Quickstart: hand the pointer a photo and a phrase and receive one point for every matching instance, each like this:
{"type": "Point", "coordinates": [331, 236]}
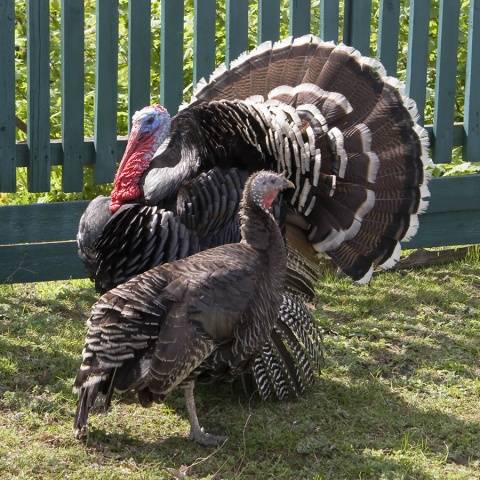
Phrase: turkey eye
{"type": "Point", "coordinates": [272, 181]}
{"type": "Point", "coordinates": [150, 121]}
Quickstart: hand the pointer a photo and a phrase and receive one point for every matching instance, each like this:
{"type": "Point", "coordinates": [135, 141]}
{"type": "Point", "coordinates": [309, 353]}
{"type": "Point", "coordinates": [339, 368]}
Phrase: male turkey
{"type": "Point", "coordinates": [166, 326]}
{"type": "Point", "coordinates": [342, 130]}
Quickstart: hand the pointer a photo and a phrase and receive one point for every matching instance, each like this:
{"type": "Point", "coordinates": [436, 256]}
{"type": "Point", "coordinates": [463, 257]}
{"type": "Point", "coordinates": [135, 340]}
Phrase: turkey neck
{"type": "Point", "coordinates": [260, 231]}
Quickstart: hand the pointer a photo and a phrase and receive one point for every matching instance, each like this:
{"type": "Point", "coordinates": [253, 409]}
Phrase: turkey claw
{"type": "Point", "coordinates": [206, 439]}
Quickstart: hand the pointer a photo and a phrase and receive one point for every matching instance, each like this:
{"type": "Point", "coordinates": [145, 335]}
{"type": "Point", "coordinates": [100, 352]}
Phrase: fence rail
{"type": "Point", "coordinates": [37, 241]}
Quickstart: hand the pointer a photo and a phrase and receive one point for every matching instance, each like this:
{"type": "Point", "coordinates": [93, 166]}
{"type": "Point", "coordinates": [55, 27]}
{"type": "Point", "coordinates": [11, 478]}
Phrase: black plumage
{"type": "Point", "coordinates": [163, 328]}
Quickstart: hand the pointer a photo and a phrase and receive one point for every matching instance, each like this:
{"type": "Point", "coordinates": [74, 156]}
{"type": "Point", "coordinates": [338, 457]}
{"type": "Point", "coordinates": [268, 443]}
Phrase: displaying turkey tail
{"type": "Point", "coordinates": [288, 362]}
{"type": "Point", "coordinates": [346, 134]}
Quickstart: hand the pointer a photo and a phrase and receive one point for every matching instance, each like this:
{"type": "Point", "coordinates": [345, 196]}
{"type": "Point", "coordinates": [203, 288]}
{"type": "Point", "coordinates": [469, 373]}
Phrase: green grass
{"type": "Point", "coordinates": [399, 397]}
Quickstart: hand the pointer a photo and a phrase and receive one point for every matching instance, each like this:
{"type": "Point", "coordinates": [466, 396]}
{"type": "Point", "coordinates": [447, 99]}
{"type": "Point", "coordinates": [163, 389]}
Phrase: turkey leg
{"type": "Point", "coordinates": [197, 433]}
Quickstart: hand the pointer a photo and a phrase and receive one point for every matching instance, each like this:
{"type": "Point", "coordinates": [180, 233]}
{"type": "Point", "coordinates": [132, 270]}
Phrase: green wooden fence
{"type": "Point", "coordinates": [37, 241]}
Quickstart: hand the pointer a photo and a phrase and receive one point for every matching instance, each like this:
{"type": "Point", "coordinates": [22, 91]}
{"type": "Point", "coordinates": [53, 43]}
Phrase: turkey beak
{"type": "Point", "coordinates": [287, 184]}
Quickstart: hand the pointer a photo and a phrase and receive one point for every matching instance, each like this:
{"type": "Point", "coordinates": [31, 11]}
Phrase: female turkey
{"type": "Point", "coordinates": [166, 326]}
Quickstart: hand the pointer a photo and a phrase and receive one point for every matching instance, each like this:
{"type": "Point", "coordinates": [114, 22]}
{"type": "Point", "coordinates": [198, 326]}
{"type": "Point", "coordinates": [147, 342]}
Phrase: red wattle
{"type": "Point", "coordinates": [135, 161]}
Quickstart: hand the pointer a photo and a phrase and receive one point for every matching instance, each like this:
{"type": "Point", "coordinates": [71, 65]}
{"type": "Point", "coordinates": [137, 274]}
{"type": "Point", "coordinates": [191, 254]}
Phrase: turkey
{"type": "Point", "coordinates": [168, 325]}
{"type": "Point", "coordinates": [343, 131]}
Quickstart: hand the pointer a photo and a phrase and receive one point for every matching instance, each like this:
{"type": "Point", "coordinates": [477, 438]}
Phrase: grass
{"type": "Point", "coordinates": [399, 396]}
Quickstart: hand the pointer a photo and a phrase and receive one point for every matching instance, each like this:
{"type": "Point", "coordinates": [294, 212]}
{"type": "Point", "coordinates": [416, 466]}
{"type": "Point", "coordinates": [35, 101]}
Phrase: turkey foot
{"type": "Point", "coordinates": [197, 433]}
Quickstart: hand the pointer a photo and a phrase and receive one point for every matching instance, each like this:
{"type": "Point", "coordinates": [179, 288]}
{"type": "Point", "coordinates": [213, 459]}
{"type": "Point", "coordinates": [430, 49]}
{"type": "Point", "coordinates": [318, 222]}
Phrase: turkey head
{"type": "Point", "coordinates": [150, 130]}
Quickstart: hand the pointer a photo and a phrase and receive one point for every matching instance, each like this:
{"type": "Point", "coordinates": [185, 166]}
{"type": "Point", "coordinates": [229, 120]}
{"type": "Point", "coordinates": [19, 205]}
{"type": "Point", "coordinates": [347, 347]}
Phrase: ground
{"type": "Point", "coordinates": [399, 396]}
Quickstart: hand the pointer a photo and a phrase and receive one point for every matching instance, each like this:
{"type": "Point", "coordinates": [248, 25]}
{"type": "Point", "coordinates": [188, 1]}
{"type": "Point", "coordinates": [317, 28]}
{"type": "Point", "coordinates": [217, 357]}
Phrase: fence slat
{"type": "Point", "coordinates": [452, 194]}
{"type": "Point", "coordinates": [7, 96]}
{"type": "Point", "coordinates": [204, 40]}
{"type": "Point", "coordinates": [443, 229]}
{"type": "Point", "coordinates": [38, 62]}
{"type": "Point", "coordinates": [106, 90]}
{"type": "Point", "coordinates": [329, 20]}
{"type": "Point", "coordinates": [268, 20]}
{"type": "Point", "coordinates": [237, 29]}
{"type": "Point", "coordinates": [139, 46]}
{"type": "Point", "coordinates": [445, 82]}
{"type": "Point", "coordinates": [472, 86]}
{"type": "Point", "coordinates": [43, 222]}
{"type": "Point", "coordinates": [356, 30]}
{"type": "Point", "coordinates": [72, 94]}
{"type": "Point", "coordinates": [418, 53]}
{"type": "Point", "coordinates": [171, 84]}
{"type": "Point", "coordinates": [388, 34]}
{"type": "Point", "coordinates": [299, 17]}
{"type": "Point", "coordinates": [40, 262]}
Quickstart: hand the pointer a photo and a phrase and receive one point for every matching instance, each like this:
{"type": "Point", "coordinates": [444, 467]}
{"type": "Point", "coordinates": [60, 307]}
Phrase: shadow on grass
{"type": "Point", "coordinates": [336, 430]}
{"type": "Point", "coordinates": [41, 339]}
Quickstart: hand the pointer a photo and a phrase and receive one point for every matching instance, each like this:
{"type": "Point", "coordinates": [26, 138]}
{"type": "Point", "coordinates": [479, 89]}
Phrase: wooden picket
{"type": "Point", "coordinates": [268, 20]}
{"type": "Point", "coordinates": [7, 96]}
{"type": "Point", "coordinates": [236, 29]}
{"type": "Point", "coordinates": [356, 29]}
{"type": "Point", "coordinates": [329, 11]}
{"type": "Point", "coordinates": [299, 17]}
{"type": "Point", "coordinates": [72, 94]}
{"type": "Point", "coordinates": [106, 90]}
{"type": "Point", "coordinates": [388, 34]}
{"type": "Point", "coordinates": [445, 82]}
{"type": "Point", "coordinates": [171, 87]}
{"type": "Point", "coordinates": [416, 84]}
{"type": "Point", "coordinates": [38, 63]}
{"type": "Point", "coordinates": [204, 39]}
{"type": "Point", "coordinates": [139, 48]}
{"type": "Point", "coordinates": [37, 242]}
